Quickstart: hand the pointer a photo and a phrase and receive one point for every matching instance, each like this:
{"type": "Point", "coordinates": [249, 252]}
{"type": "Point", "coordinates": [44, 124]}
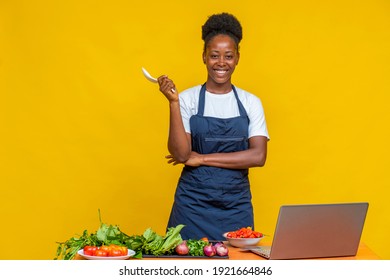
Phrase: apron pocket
{"type": "Point", "coordinates": [223, 139]}
{"type": "Point", "coordinates": [223, 144]}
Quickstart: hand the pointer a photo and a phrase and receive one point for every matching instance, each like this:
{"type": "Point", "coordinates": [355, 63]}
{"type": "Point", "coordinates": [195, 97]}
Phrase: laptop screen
{"type": "Point", "coordinates": [318, 230]}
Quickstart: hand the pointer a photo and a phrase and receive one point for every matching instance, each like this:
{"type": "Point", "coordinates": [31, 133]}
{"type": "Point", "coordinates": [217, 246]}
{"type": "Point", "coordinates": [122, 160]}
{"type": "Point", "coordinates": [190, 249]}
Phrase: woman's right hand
{"type": "Point", "coordinates": [168, 88]}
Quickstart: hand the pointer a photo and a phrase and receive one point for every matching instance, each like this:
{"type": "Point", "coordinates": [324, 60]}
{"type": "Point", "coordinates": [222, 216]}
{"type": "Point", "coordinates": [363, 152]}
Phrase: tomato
{"type": "Point", "coordinates": [244, 232]}
{"type": "Point", "coordinates": [111, 250]}
{"type": "Point", "coordinates": [205, 239]}
{"type": "Point", "coordinates": [115, 252]}
{"type": "Point", "coordinates": [104, 248]}
{"type": "Point", "coordinates": [101, 253]}
{"type": "Point", "coordinates": [89, 250]}
{"type": "Point", "coordinates": [124, 250]}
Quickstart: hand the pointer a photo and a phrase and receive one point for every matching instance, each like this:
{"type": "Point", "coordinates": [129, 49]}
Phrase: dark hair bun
{"type": "Point", "coordinates": [223, 23]}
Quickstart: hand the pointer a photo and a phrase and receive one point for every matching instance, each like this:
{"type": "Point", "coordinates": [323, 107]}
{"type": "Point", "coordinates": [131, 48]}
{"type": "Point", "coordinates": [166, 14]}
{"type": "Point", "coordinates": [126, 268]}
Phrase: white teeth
{"type": "Point", "coordinates": [221, 71]}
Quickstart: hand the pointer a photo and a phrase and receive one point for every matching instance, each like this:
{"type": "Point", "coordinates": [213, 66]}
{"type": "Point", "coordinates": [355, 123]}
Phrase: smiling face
{"type": "Point", "coordinates": [221, 57]}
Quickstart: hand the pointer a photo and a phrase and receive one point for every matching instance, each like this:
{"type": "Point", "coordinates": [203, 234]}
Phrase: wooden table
{"type": "Point", "coordinates": [364, 253]}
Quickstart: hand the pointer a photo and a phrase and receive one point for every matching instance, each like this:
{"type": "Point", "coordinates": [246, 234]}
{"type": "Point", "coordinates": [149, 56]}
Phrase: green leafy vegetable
{"type": "Point", "coordinates": [151, 243]}
{"type": "Point", "coordinates": [105, 235]}
{"type": "Point", "coordinates": [67, 250]}
{"type": "Point", "coordinates": [152, 246]}
{"type": "Point", "coordinates": [171, 240]}
{"type": "Point", "coordinates": [196, 247]}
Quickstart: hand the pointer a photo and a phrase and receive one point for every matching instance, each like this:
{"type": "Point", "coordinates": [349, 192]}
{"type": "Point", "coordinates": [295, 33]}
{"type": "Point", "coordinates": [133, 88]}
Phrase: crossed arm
{"type": "Point", "coordinates": [179, 142]}
{"type": "Point", "coordinates": [255, 156]}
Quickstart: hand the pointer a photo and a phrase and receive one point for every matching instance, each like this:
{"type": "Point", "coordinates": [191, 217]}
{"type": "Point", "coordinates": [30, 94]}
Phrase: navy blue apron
{"type": "Point", "coordinates": [211, 200]}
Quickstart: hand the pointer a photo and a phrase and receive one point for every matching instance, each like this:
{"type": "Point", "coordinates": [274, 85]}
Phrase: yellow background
{"type": "Point", "coordinates": [81, 129]}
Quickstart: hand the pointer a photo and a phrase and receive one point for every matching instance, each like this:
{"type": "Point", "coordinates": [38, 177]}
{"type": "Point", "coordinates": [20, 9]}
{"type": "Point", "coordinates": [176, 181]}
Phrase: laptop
{"type": "Point", "coordinates": [316, 231]}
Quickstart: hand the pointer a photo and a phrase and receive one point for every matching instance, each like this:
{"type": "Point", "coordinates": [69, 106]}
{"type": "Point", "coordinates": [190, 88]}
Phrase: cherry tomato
{"type": "Point", "coordinates": [111, 250]}
{"type": "Point", "coordinates": [89, 250]}
{"type": "Point", "coordinates": [115, 252]}
{"type": "Point", "coordinates": [101, 253]}
{"type": "Point", "coordinates": [104, 248]}
{"type": "Point", "coordinates": [244, 232]}
{"type": "Point", "coordinates": [124, 250]}
{"type": "Point", "coordinates": [205, 239]}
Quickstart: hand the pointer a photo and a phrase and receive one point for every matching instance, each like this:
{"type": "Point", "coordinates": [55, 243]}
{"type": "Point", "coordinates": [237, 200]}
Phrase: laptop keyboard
{"type": "Point", "coordinates": [262, 251]}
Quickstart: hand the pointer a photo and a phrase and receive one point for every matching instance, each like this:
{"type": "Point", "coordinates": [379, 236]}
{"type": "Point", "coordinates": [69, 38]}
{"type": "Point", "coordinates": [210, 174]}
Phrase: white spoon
{"type": "Point", "coordinates": [150, 78]}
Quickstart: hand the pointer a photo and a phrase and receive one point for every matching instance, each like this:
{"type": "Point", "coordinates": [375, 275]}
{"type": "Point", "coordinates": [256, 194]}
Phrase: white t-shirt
{"type": "Point", "coordinates": [224, 106]}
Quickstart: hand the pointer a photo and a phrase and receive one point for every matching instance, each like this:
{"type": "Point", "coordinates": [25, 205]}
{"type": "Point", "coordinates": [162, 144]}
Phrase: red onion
{"type": "Point", "coordinates": [209, 250]}
{"type": "Point", "coordinates": [221, 249]}
{"type": "Point", "coordinates": [182, 248]}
